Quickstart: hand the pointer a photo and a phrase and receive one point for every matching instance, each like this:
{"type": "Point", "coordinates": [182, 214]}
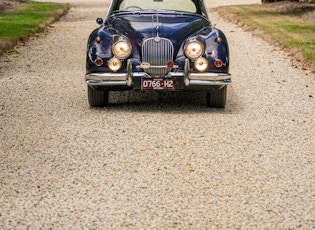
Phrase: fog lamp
{"type": "Point", "coordinates": [201, 64]}
{"type": "Point", "coordinates": [114, 64]}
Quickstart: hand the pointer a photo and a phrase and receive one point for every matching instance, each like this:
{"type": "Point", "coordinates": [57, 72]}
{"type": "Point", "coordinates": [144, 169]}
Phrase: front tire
{"type": "Point", "coordinates": [97, 98]}
{"type": "Point", "coordinates": [217, 98]}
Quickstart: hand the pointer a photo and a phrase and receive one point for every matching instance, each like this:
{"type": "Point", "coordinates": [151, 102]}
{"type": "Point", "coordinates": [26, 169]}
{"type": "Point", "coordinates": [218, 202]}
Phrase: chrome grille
{"type": "Point", "coordinates": [157, 51]}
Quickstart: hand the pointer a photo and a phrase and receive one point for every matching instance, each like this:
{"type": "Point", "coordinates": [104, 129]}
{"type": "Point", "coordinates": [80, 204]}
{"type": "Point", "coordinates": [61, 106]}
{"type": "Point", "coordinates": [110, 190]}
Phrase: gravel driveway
{"type": "Point", "coordinates": [153, 160]}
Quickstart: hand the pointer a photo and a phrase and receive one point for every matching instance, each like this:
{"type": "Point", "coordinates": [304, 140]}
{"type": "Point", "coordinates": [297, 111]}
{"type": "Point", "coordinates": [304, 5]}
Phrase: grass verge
{"type": "Point", "coordinates": [28, 19]}
{"type": "Point", "coordinates": [287, 29]}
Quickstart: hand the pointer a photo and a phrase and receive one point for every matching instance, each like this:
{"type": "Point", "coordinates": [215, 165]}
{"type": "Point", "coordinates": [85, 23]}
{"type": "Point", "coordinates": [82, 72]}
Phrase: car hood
{"type": "Point", "coordinates": [172, 25]}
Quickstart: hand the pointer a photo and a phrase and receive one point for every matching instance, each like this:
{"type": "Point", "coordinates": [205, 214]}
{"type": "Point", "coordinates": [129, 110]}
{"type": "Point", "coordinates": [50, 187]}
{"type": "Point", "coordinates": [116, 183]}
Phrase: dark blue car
{"type": "Point", "coordinates": [165, 45]}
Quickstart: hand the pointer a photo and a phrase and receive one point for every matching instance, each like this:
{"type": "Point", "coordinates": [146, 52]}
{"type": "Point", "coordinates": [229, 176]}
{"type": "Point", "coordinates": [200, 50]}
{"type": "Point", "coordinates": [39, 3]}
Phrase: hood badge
{"type": "Point", "coordinates": [157, 38]}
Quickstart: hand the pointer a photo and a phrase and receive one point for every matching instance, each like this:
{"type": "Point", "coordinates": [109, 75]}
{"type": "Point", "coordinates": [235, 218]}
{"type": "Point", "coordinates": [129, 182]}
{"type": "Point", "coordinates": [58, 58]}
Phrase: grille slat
{"type": "Point", "coordinates": [157, 52]}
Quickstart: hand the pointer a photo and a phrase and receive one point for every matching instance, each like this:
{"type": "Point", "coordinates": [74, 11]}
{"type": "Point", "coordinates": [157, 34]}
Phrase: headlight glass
{"type": "Point", "coordinates": [122, 49]}
{"type": "Point", "coordinates": [114, 64]}
{"type": "Point", "coordinates": [201, 64]}
{"type": "Point", "coordinates": [194, 49]}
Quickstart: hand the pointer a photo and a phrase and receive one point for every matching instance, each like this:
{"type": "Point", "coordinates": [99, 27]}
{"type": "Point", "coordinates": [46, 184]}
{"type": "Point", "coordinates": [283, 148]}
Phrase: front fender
{"type": "Point", "coordinates": [216, 47]}
{"type": "Point", "coordinates": [97, 49]}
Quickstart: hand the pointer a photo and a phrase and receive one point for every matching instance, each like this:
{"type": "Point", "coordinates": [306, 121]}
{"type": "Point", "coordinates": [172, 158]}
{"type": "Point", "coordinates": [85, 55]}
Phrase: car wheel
{"type": "Point", "coordinates": [97, 98]}
{"type": "Point", "coordinates": [217, 98]}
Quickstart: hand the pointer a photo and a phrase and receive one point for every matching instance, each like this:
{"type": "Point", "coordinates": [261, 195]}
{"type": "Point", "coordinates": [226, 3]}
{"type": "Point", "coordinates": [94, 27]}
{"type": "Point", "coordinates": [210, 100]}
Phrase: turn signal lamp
{"type": "Point", "coordinates": [218, 63]}
{"type": "Point", "coordinates": [98, 62]}
{"type": "Point", "coordinates": [201, 64]}
{"type": "Point", "coordinates": [114, 64]}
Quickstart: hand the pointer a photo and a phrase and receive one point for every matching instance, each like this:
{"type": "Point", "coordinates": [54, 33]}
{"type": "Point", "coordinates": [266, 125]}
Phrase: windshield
{"type": "Point", "coordinates": [176, 5]}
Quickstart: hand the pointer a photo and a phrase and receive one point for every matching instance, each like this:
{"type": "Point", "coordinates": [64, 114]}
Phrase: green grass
{"type": "Point", "coordinates": [287, 29]}
{"type": "Point", "coordinates": [26, 20]}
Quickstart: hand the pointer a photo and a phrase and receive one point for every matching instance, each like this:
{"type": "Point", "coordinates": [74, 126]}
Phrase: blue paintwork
{"type": "Point", "coordinates": [140, 25]}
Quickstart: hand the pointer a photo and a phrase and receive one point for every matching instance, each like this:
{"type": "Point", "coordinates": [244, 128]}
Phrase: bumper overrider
{"type": "Point", "coordinates": [183, 80]}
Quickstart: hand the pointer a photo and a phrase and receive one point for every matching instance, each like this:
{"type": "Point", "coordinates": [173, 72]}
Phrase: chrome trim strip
{"type": "Point", "coordinates": [106, 76]}
{"type": "Point", "coordinates": [141, 74]}
{"type": "Point", "coordinates": [129, 73]}
{"type": "Point", "coordinates": [210, 76]}
{"type": "Point", "coordinates": [203, 82]}
{"type": "Point", "coordinates": [106, 83]}
{"type": "Point", "coordinates": [202, 76]}
{"type": "Point", "coordinates": [175, 74]}
{"type": "Point", "coordinates": [159, 67]}
{"type": "Point", "coordinates": [186, 69]}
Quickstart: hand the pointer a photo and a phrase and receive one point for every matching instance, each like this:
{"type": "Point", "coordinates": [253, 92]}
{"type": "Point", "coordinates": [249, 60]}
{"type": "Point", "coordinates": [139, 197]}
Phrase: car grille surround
{"type": "Point", "coordinates": [157, 51]}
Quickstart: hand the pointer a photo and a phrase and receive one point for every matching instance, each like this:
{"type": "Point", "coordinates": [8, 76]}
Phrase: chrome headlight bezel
{"type": "Point", "coordinates": [194, 49]}
{"type": "Point", "coordinates": [122, 48]}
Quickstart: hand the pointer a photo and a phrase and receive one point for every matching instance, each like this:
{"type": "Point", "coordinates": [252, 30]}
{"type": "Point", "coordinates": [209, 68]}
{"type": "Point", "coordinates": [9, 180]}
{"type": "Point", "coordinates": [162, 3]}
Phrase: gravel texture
{"type": "Point", "coordinates": [153, 160]}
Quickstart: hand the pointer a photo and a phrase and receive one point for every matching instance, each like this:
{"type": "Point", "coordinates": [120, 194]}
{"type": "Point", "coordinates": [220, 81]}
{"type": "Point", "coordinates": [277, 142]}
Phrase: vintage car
{"type": "Point", "coordinates": [163, 45]}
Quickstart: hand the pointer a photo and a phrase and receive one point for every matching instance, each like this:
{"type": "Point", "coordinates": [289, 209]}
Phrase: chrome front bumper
{"type": "Point", "coordinates": [126, 79]}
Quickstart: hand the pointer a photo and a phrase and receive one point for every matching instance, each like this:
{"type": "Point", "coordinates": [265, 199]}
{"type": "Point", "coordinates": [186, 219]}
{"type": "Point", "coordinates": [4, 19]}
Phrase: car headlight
{"type": "Point", "coordinates": [194, 49]}
{"type": "Point", "coordinates": [122, 49]}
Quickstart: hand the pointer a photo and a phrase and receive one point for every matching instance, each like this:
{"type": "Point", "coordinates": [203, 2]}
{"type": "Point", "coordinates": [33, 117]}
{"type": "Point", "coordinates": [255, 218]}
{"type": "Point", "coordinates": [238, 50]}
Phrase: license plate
{"type": "Point", "coordinates": [157, 84]}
